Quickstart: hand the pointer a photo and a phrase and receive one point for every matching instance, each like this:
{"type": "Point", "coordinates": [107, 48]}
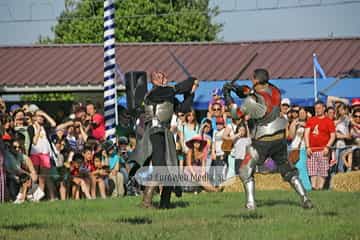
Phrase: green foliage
{"type": "Point", "coordinates": [204, 216]}
{"type": "Point", "coordinates": [138, 21]}
{"type": "Point", "coordinates": [47, 97]}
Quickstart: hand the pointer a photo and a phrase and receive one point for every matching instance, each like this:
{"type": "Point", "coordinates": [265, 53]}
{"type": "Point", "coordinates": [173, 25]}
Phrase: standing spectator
{"type": "Point", "coordinates": [189, 129]}
{"type": "Point", "coordinates": [97, 122]}
{"type": "Point", "coordinates": [342, 125]}
{"type": "Point", "coordinates": [319, 136]}
{"type": "Point", "coordinates": [218, 110]}
{"type": "Point", "coordinates": [206, 133]}
{"type": "Point", "coordinates": [330, 112]}
{"type": "Point", "coordinates": [285, 107]}
{"type": "Point", "coordinates": [21, 126]}
{"type": "Point", "coordinates": [296, 133]}
{"type": "Point", "coordinates": [41, 150]}
{"type": "Point", "coordinates": [2, 169]}
{"type": "Point", "coordinates": [352, 156]}
{"type": "Point", "coordinates": [7, 123]}
{"type": "Point", "coordinates": [212, 110]}
{"type": "Point", "coordinates": [228, 135]}
{"type": "Point", "coordinates": [355, 104]}
{"type": "Point", "coordinates": [241, 141]}
{"type": "Point", "coordinates": [217, 155]}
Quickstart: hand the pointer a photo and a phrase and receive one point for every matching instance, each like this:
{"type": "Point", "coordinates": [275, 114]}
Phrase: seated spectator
{"type": "Point", "coordinates": [20, 171]}
{"type": "Point", "coordinates": [89, 168]}
{"type": "Point", "coordinates": [196, 163]}
{"type": "Point", "coordinates": [112, 159]}
{"type": "Point", "coordinates": [99, 175]}
{"type": "Point", "coordinates": [78, 176]}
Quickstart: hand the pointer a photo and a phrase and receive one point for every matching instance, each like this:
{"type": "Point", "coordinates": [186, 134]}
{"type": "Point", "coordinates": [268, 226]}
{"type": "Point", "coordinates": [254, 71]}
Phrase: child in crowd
{"type": "Point", "coordinates": [78, 176]}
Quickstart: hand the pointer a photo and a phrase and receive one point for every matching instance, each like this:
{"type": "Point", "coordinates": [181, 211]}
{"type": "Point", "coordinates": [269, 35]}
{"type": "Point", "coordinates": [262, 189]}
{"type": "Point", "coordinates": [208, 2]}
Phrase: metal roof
{"type": "Point", "coordinates": [82, 65]}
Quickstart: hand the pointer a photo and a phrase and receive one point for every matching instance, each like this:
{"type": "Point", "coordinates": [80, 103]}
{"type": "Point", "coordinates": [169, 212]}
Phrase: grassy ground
{"type": "Point", "coordinates": [204, 216]}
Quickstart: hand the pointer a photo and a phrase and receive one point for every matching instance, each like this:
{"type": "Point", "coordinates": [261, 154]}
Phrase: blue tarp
{"type": "Point", "coordinates": [299, 91]}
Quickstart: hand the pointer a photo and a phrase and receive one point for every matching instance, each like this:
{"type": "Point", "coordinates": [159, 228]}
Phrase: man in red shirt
{"type": "Point", "coordinates": [319, 136]}
{"type": "Point", "coordinates": [97, 122]}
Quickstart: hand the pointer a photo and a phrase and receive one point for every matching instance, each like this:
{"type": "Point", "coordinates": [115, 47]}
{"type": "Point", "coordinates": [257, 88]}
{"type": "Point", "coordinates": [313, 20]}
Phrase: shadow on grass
{"type": "Point", "coordinates": [249, 216]}
{"type": "Point", "coordinates": [24, 226]}
{"type": "Point", "coordinates": [329, 214]}
{"type": "Point", "coordinates": [178, 204]}
{"type": "Point", "coordinates": [134, 220]}
{"type": "Point", "coordinates": [271, 203]}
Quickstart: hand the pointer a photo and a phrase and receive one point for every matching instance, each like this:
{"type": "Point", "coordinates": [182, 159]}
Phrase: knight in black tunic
{"type": "Point", "coordinates": [159, 104]}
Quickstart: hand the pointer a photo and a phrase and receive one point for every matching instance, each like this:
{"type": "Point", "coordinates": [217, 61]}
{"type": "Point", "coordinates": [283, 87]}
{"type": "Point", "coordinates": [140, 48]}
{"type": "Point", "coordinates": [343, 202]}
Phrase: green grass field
{"type": "Point", "coordinates": [203, 216]}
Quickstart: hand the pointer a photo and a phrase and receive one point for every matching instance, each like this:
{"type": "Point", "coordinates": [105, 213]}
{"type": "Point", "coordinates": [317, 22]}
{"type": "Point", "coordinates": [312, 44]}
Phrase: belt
{"type": "Point", "coordinates": [277, 136]}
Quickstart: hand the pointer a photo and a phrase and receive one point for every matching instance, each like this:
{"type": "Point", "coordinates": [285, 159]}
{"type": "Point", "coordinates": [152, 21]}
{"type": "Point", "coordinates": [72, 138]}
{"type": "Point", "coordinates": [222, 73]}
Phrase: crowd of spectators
{"type": "Point", "coordinates": [43, 159]}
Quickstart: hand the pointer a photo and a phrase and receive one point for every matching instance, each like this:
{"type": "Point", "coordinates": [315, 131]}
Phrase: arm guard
{"type": "Point", "coordinates": [241, 91]}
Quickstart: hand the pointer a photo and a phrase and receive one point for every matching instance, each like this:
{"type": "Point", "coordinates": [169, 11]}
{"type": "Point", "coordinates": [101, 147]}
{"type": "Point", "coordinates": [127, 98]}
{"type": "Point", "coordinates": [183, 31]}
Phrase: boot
{"type": "Point", "coordinates": [165, 198]}
{"type": "Point", "coordinates": [249, 187]}
{"type": "Point", "coordinates": [300, 190]}
{"type": "Point", "coordinates": [147, 197]}
{"type": "Point", "coordinates": [178, 191]}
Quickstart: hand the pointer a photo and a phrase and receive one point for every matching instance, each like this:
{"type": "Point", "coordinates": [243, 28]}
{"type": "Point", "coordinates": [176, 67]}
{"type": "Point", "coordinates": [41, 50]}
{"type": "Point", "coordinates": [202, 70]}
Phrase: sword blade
{"type": "Point", "coordinates": [181, 65]}
{"type": "Point", "coordinates": [243, 69]}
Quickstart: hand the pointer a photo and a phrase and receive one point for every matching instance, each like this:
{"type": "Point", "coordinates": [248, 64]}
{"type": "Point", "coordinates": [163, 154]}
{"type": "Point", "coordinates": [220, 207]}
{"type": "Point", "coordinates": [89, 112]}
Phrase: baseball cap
{"type": "Point", "coordinates": [355, 102]}
{"type": "Point", "coordinates": [285, 101]}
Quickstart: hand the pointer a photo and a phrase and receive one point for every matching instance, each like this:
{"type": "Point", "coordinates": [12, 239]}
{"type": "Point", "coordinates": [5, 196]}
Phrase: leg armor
{"type": "Point", "coordinates": [300, 190]}
{"type": "Point", "coordinates": [247, 169]}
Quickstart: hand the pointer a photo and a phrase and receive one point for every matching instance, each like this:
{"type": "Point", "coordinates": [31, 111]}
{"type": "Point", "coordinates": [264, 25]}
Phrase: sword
{"type": "Point", "coordinates": [243, 69]}
{"type": "Point", "coordinates": [181, 65]}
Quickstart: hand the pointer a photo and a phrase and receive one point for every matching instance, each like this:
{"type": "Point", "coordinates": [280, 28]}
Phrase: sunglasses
{"type": "Point", "coordinates": [16, 147]}
{"type": "Point", "coordinates": [356, 116]}
{"type": "Point", "coordinates": [216, 109]}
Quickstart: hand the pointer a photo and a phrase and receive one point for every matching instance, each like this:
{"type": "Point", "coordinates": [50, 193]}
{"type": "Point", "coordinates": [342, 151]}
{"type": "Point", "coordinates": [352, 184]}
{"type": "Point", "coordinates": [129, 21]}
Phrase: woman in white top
{"type": "Point", "coordinates": [296, 133]}
{"type": "Point", "coordinates": [241, 142]}
{"type": "Point", "coordinates": [41, 150]}
{"type": "Point", "coordinates": [229, 133]}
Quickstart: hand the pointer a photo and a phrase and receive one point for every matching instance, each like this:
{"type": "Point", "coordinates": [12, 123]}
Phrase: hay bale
{"type": "Point", "coordinates": [346, 182]}
{"type": "Point", "coordinates": [272, 181]}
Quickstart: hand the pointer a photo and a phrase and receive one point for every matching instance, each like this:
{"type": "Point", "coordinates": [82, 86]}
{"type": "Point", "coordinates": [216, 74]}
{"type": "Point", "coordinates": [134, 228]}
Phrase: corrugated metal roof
{"type": "Point", "coordinates": [83, 64]}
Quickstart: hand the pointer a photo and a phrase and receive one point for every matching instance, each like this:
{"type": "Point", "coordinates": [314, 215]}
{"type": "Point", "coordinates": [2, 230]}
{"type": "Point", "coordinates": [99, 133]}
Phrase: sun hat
{"type": "Point", "coordinates": [196, 138]}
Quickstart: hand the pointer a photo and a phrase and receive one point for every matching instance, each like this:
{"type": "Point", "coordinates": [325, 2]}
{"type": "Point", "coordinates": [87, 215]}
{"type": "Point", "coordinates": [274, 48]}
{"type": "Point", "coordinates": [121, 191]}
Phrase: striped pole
{"type": "Point", "coordinates": [110, 105]}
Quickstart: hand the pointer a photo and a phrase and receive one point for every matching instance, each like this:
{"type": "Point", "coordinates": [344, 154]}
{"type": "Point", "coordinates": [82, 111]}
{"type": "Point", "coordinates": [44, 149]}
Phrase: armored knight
{"type": "Point", "coordinates": [157, 145]}
{"type": "Point", "coordinates": [262, 105]}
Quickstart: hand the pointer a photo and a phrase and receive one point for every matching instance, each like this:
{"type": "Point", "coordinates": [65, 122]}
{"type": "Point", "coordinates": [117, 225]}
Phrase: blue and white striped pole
{"type": "Point", "coordinates": [110, 105]}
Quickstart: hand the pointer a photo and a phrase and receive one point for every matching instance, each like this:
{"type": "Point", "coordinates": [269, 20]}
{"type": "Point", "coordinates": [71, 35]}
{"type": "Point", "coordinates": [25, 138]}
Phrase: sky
{"type": "Point", "coordinates": [244, 20]}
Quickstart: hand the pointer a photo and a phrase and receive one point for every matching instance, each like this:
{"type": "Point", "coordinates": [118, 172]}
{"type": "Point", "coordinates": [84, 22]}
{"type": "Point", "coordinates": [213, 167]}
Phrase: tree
{"type": "Point", "coordinates": [47, 97]}
{"type": "Point", "coordinates": [137, 21]}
